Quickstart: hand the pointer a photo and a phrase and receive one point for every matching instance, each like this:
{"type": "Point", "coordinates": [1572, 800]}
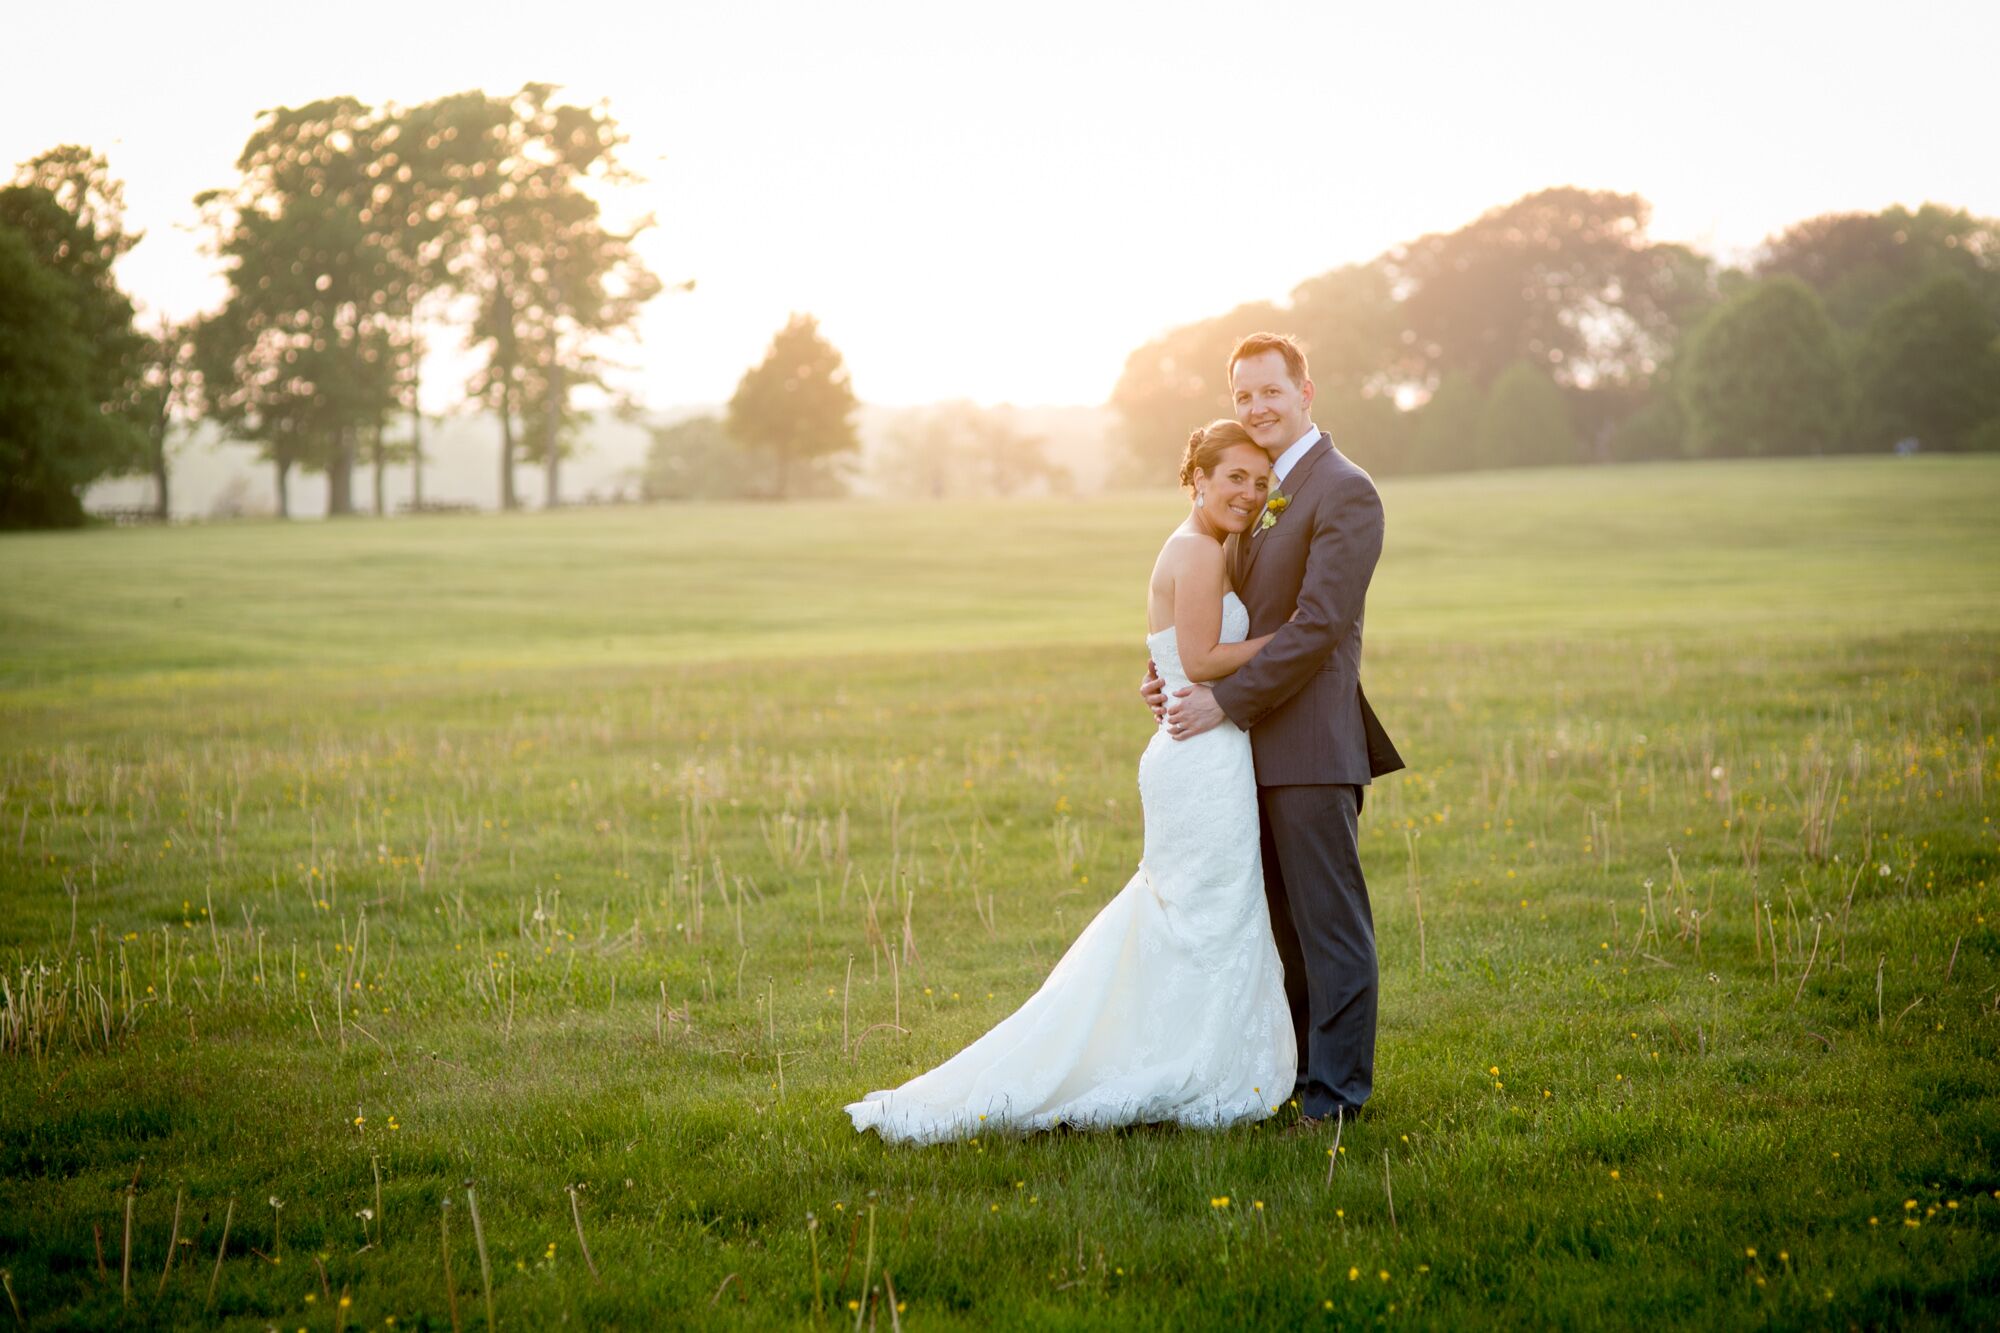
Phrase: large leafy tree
{"type": "Point", "coordinates": [65, 215]}
{"type": "Point", "coordinates": [1352, 329]}
{"type": "Point", "coordinates": [1446, 433]}
{"type": "Point", "coordinates": [302, 359]}
{"type": "Point", "coordinates": [1764, 375]}
{"type": "Point", "coordinates": [1179, 381]}
{"type": "Point", "coordinates": [415, 219]}
{"type": "Point", "coordinates": [1524, 421]}
{"type": "Point", "coordinates": [1565, 278]}
{"type": "Point", "coordinates": [72, 211]}
{"type": "Point", "coordinates": [549, 278]}
{"type": "Point", "coordinates": [1860, 262]}
{"type": "Point", "coordinates": [1346, 320]}
{"type": "Point", "coordinates": [1929, 368]}
{"type": "Point", "coordinates": [794, 412]}
{"type": "Point", "coordinates": [54, 439]}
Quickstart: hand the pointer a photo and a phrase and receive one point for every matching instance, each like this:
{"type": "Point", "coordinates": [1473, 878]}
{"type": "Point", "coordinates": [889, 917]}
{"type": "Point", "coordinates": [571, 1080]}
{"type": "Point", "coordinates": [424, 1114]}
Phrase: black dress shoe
{"type": "Point", "coordinates": [1338, 1119]}
{"type": "Point", "coordinates": [1338, 1115]}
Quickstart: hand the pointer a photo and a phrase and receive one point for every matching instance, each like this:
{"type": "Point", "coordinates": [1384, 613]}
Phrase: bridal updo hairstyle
{"type": "Point", "coordinates": [1207, 444]}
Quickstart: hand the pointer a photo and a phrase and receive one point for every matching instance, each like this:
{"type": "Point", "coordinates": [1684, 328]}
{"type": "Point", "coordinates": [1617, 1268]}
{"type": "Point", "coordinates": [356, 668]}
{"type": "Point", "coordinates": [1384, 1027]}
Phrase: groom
{"type": "Point", "coordinates": [1315, 740]}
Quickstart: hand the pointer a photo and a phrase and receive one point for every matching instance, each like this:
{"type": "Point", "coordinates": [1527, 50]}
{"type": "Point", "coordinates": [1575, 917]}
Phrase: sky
{"type": "Point", "coordinates": [1001, 202]}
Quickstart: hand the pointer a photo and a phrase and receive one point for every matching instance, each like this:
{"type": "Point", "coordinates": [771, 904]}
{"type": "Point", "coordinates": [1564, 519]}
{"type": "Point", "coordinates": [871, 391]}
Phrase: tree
{"type": "Point", "coordinates": [303, 356]}
{"type": "Point", "coordinates": [54, 440]}
{"type": "Point", "coordinates": [1353, 332]}
{"type": "Point", "coordinates": [1368, 428]}
{"type": "Point", "coordinates": [81, 182]}
{"type": "Point", "coordinates": [246, 388]}
{"type": "Point", "coordinates": [549, 278]}
{"type": "Point", "coordinates": [63, 218]}
{"type": "Point", "coordinates": [420, 161]}
{"type": "Point", "coordinates": [1564, 278]}
{"type": "Point", "coordinates": [69, 210]}
{"type": "Point", "coordinates": [1929, 367]}
{"type": "Point", "coordinates": [1764, 375]}
{"type": "Point", "coordinates": [1658, 429]}
{"type": "Point", "coordinates": [165, 396]}
{"type": "Point", "coordinates": [694, 460]}
{"type": "Point", "coordinates": [1180, 381]}
{"type": "Point", "coordinates": [1446, 437]}
{"type": "Point", "coordinates": [963, 449]}
{"type": "Point", "coordinates": [794, 411]}
{"type": "Point", "coordinates": [73, 212]}
{"type": "Point", "coordinates": [1860, 262]}
{"type": "Point", "coordinates": [1525, 421]}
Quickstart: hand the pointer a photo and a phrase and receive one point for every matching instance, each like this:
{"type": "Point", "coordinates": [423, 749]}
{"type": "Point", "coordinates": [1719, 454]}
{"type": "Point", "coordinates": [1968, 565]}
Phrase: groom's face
{"type": "Point", "coordinates": [1274, 409]}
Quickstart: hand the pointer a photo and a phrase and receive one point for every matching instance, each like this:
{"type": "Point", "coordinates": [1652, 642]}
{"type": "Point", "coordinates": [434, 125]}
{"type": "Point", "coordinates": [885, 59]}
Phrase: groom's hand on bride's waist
{"type": "Point", "coordinates": [1193, 711]}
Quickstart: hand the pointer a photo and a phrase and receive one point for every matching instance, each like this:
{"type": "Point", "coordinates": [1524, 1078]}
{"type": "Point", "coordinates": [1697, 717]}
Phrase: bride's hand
{"type": "Point", "coordinates": [1153, 691]}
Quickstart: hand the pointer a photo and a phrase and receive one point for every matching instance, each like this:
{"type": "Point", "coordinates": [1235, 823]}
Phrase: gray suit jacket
{"type": "Point", "coordinates": [1300, 699]}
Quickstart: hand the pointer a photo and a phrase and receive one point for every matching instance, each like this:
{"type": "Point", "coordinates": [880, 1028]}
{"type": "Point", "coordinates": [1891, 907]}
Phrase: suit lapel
{"type": "Point", "coordinates": [1291, 488]}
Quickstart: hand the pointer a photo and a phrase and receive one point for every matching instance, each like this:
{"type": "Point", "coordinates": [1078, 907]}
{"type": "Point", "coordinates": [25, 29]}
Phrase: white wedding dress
{"type": "Point", "coordinates": [1171, 1004]}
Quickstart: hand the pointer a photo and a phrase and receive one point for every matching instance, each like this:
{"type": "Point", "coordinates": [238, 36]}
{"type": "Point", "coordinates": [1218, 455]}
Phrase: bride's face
{"type": "Point", "coordinates": [1233, 494]}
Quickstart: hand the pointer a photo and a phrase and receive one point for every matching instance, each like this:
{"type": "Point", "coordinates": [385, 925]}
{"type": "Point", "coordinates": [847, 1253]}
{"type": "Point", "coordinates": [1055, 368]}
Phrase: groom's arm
{"type": "Point", "coordinates": [1339, 564]}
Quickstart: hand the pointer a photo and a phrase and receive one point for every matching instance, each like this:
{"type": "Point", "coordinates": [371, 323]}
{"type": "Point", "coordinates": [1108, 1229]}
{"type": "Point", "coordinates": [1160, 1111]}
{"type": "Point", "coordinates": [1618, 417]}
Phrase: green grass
{"type": "Point", "coordinates": [706, 743]}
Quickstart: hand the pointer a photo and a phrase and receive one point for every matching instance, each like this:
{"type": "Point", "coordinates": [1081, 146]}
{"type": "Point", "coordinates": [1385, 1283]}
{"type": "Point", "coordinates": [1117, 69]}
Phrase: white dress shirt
{"type": "Point", "coordinates": [1285, 462]}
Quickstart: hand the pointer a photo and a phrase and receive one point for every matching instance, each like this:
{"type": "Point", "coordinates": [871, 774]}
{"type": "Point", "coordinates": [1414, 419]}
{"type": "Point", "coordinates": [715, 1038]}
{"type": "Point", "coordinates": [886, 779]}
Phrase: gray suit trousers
{"type": "Point", "coordinates": [1320, 912]}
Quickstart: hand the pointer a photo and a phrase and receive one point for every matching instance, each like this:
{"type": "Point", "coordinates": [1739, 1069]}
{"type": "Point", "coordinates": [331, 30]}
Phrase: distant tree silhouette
{"type": "Point", "coordinates": [695, 459]}
{"type": "Point", "coordinates": [794, 412]}
{"type": "Point", "coordinates": [962, 449]}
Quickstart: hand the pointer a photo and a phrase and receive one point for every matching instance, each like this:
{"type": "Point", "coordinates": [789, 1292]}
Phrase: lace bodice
{"type": "Point", "coordinates": [1165, 644]}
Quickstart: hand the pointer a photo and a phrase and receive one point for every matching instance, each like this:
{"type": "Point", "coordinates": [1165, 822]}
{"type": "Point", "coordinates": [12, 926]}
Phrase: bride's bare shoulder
{"type": "Point", "coordinates": [1184, 550]}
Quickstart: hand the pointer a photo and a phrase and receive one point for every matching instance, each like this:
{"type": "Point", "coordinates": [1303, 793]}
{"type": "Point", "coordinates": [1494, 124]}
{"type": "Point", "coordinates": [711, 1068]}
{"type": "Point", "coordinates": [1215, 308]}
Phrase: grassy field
{"type": "Point", "coordinates": [381, 868]}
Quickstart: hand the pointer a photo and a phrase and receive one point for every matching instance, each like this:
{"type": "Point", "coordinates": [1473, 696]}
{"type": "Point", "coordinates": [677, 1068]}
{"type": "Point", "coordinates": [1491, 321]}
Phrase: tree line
{"type": "Point", "coordinates": [352, 238]}
{"type": "Point", "coordinates": [1553, 330]}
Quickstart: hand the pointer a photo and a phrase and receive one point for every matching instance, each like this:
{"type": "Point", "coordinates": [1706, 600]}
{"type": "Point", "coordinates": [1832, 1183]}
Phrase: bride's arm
{"type": "Point", "coordinates": [1198, 617]}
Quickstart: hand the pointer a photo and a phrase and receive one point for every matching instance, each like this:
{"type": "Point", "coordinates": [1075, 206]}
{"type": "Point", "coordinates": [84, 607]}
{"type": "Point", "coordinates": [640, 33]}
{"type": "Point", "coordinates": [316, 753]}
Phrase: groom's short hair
{"type": "Point", "coordinates": [1282, 343]}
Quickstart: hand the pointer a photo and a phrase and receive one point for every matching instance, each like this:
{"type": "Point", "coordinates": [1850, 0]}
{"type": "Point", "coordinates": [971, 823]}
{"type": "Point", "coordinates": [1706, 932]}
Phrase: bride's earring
{"type": "Point", "coordinates": [1200, 497]}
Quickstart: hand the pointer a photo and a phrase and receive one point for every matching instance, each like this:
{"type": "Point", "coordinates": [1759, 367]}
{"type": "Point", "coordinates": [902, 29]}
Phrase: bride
{"type": "Point", "coordinates": [1171, 1004]}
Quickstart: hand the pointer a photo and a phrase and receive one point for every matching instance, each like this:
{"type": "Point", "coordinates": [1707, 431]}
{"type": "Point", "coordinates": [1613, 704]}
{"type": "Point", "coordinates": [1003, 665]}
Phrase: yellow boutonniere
{"type": "Point", "coordinates": [1272, 508]}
